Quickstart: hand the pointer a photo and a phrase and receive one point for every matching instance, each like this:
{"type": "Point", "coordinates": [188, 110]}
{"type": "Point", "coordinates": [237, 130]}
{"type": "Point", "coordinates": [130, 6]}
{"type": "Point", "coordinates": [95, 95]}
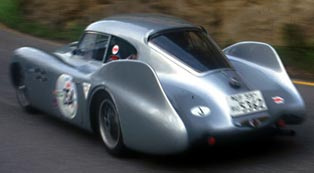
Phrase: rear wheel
{"type": "Point", "coordinates": [109, 127]}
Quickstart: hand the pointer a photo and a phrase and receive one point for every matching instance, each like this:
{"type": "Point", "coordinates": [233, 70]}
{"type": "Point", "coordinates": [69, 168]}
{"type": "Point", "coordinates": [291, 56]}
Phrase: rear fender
{"type": "Point", "coordinates": [261, 68]}
{"type": "Point", "coordinates": [148, 121]}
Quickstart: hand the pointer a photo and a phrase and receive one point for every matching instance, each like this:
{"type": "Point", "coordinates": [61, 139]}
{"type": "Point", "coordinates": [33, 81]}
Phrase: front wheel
{"type": "Point", "coordinates": [21, 91]}
{"type": "Point", "coordinates": [109, 127]}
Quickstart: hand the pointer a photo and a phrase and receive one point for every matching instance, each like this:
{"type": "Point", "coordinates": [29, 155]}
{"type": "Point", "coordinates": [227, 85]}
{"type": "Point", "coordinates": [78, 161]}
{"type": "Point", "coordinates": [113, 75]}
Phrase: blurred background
{"type": "Point", "coordinates": [286, 24]}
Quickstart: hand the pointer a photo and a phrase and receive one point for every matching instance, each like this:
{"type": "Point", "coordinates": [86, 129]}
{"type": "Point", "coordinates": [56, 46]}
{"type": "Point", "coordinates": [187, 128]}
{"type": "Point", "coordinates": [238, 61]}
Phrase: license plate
{"type": "Point", "coordinates": [246, 103]}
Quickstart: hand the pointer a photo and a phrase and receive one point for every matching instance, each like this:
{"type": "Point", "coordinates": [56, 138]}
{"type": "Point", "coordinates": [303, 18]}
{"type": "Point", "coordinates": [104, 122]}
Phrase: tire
{"type": "Point", "coordinates": [109, 127]}
{"type": "Point", "coordinates": [21, 91]}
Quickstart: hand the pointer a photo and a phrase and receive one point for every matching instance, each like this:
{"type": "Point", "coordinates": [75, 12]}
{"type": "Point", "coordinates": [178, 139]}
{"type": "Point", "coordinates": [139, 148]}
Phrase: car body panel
{"type": "Point", "coordinates": [164, 106]}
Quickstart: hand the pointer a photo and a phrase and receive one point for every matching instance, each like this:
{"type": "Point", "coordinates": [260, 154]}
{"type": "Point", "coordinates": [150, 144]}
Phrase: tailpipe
{"type": "Point", "coordinates": [286, 132]}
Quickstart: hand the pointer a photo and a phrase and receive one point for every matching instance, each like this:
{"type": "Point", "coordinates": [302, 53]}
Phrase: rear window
{"type": "Point", "coordinates": [193, 48]}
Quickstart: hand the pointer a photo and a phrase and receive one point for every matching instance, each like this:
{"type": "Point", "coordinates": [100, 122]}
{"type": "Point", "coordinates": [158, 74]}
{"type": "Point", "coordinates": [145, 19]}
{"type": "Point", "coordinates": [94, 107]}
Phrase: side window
{"type": "Point", "coordinates": [93, 46]}
{"type": "Point", "coordinates": [120, 49]}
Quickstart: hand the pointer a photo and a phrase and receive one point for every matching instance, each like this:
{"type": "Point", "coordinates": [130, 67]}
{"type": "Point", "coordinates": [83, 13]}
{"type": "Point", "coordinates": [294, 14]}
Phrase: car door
{"type": "Point", "coordinates": [65, 89]}
{"type": "Point", "coordinates": [71, 84]}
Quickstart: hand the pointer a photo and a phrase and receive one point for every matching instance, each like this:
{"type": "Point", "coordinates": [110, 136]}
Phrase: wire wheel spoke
{"type": "Point", "coordinates": [105, 116]}
{"type": "Point", "coordinates": [110, 129]}
{"type": "Point", "coordinates": [114, 128]}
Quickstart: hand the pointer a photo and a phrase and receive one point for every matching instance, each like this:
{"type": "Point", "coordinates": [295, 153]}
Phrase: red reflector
{"type": "Point", "coordinates": [211, 141]}
{"type": "Point", "coordinates": [281, 123]}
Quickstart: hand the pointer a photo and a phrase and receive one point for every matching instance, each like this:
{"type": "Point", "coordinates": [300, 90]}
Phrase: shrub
{"type": "Point", "coordinates": [293, 36]}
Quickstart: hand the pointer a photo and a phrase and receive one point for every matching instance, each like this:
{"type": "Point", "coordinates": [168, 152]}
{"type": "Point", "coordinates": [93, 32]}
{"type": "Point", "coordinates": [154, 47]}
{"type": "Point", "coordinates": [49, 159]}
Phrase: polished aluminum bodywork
{"type": "Point", "coordinates": [157, 96]}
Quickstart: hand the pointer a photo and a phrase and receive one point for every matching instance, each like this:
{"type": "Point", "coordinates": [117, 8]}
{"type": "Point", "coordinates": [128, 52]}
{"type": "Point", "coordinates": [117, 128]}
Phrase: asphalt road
{"type": "Point", "coordinates": [38, 143]}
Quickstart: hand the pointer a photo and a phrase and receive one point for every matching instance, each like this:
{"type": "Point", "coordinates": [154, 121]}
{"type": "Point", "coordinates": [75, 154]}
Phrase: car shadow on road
{"type": "Point", "coordinates": [231, 154]}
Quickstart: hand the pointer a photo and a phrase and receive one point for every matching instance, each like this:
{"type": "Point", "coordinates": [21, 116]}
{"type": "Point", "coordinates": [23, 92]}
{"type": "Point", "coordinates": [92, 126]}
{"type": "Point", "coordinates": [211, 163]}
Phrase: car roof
{"type": "Point", "coordinates": [138, 26]}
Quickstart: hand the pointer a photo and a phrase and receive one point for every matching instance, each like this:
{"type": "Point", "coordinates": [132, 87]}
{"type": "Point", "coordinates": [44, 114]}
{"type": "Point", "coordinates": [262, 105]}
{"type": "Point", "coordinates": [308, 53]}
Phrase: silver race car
{"type": "Point", "coordinates": [159, 85]}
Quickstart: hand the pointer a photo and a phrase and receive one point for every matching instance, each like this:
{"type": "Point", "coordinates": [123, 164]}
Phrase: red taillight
{"type": "Point", "coordinates": [211, 141]}
{"type": "Point", "coordinates": [281, 123]}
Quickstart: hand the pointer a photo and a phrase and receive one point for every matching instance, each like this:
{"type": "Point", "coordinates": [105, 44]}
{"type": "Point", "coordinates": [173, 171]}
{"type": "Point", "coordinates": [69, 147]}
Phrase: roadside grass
{"type": "Point", "coordinates": [11, 15]}
{"type": "Point", "coordinates": [298, 54]}
{"type": "Point", "coordinates": [298, 58]}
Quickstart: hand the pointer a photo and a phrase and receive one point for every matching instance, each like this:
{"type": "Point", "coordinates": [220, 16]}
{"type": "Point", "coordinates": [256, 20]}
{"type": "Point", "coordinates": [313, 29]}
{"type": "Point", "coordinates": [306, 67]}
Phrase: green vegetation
{"type": "Point", "coordinates": [298, 52]}
{"type": "Point", "coordinates": [11, 15]}
{"type": "Point", "coordinates": [300, 58]}
{"type": "Point", "coordinates": [293, 36]}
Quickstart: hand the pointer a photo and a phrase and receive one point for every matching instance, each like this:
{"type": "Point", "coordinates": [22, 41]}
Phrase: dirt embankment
{"type": "Point", "coordinates": [227, 20]}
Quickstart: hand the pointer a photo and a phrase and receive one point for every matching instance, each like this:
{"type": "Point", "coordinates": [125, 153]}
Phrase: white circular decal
{"type": "Point", "coordinates": [115, 49]}
{"type": "Point", "coordinates": [66, 96]}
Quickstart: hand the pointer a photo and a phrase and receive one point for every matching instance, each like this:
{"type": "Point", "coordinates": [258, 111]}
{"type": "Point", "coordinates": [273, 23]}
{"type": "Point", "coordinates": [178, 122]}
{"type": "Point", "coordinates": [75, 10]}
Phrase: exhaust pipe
{"type": "Point", "coordinates": [286, 132]}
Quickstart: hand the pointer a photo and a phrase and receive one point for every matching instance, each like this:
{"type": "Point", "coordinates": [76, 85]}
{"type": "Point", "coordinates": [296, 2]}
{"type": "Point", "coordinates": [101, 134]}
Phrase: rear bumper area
{"type": "Point", "coordinates": [293, 119]}
{"type": "Point", "coordinates": [241, 135]}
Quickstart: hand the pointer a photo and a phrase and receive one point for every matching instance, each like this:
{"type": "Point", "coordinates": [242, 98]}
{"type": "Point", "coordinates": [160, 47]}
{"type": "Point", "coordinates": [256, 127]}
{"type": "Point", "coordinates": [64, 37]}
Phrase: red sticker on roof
{"type": "Point", "coordinates": [278, 100]}
{"type": "Point", "coordinates": [115, 49]}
